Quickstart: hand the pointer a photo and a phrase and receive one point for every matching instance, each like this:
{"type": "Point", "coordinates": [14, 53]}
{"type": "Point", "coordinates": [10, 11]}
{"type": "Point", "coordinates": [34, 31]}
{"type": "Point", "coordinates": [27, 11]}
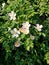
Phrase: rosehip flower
{"type": "Point", "coordinates": [26, 25]}
{"type": "Point", "coordinates": [38, 27]}
{"type": "Point", "coordinates": [17, 44]}
{"type": "Point", "coordinates": [24, 31]}
{"type": "Point", "coordinates": [15, 32]}
{"type": "Point", "coordinates": [12, 15]}
{"type": "Point", "coordinates": [25, 28]}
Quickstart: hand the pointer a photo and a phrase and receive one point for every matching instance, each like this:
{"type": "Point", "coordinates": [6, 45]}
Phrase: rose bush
{"type": "Point", "coordinates": [24, 32]}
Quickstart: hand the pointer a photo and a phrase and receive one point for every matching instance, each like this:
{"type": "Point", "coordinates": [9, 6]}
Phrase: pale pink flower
{"type": "Point", "coordinates": [26, 25]}
{"type": "Point", "coordinates": [17, 44]}
{"type": "Point", "coordinates": [25, 28]}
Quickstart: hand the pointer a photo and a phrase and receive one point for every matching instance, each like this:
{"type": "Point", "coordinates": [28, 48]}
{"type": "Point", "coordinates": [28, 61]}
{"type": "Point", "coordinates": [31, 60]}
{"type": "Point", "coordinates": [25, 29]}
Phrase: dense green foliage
{"type": "Point", "coordinates": [30, 52]}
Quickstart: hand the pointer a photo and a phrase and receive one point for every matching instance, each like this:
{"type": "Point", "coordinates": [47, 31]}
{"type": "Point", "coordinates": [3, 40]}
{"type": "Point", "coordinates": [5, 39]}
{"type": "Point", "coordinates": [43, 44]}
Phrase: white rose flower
{"type": "Point", "coordinates": [12, 15]}
{"type": "Point", "coordinates": [15, 32]}
{"type": "Point", "coordinates": [38, 27]}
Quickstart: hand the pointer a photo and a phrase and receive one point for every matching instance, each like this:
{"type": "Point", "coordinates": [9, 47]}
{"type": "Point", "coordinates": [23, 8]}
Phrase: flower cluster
{"type": "Point", "coordinates": [24, 29]}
